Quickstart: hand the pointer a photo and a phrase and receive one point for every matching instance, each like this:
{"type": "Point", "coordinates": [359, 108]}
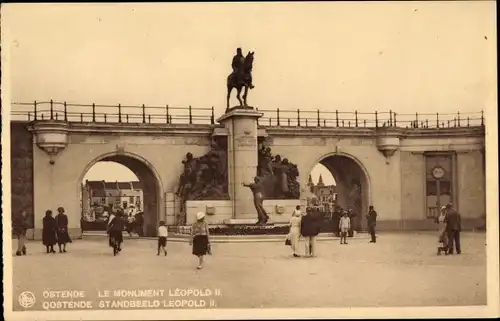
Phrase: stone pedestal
{"type": "Point", "coordinates": [241, 123]}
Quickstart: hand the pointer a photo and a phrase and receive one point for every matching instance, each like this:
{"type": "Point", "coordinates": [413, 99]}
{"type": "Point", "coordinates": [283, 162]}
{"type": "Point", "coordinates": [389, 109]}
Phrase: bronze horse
{"type": "Point", "coordinates": [240, 80]}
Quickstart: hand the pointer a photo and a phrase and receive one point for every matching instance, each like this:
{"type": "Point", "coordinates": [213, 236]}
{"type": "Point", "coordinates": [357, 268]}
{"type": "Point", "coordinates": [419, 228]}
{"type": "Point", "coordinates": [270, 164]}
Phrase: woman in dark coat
{"type": "Point", "coordinates": [49, 236]}
{"type": "Point", "coordinates": [19, 228]}
{"type": "Point", "coordinates": [115, 231]}
{"type": "Point", "coordinates": [62, 230]}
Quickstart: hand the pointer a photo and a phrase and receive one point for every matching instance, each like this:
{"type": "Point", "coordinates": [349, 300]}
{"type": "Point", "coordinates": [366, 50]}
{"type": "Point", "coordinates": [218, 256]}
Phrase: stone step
{"type": "Point", "coordinates": [229, 238]}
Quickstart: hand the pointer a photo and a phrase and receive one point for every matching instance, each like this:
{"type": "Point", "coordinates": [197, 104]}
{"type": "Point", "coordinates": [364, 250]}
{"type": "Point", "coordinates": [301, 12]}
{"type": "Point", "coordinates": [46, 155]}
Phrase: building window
{"type": "Point", "coordinates": [439, 181]}
{"type": "Point", "coordinates": [131, 200]}
{"type": "Point", "coordinates": [103, 200]}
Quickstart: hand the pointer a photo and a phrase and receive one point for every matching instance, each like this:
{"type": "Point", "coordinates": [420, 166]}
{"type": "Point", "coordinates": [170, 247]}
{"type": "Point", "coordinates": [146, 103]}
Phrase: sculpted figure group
{"type": "Point", "coordinates": [279, 176]}
{"type": "Point", "coordinates": [204, 177]}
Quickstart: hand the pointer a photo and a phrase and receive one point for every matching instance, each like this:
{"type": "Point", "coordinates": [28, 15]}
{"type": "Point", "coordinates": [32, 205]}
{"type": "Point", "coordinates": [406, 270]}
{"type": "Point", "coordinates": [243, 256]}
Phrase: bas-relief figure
{"type": "Point", "coordinates": [205, 177]}
{"type": "Point", "coordinates": [241, 77]}
{"type": "Point", "coordinates": [279, 176]}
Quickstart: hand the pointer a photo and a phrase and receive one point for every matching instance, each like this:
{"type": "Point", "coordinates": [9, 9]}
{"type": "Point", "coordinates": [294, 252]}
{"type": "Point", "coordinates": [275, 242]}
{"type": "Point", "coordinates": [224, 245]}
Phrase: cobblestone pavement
{"type": "Point", "coordinates": [399, 270]}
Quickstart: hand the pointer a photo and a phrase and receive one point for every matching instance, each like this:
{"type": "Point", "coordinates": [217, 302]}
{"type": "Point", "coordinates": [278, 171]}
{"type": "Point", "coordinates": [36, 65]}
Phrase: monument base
{"type": "Point", "coordinates": [240, 107]}
{"type": "Point", "coordinates": [242, 221]}
{"type": "Point", "coordinates": [235, 230]}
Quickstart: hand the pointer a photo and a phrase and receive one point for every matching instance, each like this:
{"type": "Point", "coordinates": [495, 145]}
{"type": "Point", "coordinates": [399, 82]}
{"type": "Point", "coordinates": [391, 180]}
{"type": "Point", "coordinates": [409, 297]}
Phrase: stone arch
{"type": "Point", "coordinates": [348, 172]}
{"type": "Point", "coordinates": [149, 178]}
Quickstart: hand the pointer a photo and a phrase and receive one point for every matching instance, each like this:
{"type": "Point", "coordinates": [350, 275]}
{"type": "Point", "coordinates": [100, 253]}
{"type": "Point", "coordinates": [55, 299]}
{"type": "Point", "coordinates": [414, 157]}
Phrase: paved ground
{"type": "Point", "coordinates": [399, 270]}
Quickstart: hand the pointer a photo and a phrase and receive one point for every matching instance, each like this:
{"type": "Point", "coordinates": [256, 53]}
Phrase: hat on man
{"type": "Point", "coordinates": [449, 205]}
{"type": "Point", "coordinates": [200, 215]}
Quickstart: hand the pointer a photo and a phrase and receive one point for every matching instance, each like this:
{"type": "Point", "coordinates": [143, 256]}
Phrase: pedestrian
{"type": "Point", "coordinates": [19, 228]}
{"type": "Point", "coordinates": [309, 229]}
{"type": "Point", "coordinates": [337, 214]}
{"type": "Point", "coordinates": [139, 224]}
{"type": "Point", "coordinates": [49, 232]}
{"type": "Point", "coordinates": [115, 231]}
{"type": "Point", "coordinates": [453, 222]}
{"type": "Point", "coordinates": [294, 235]}
{"type": "Point", "coordinates": [442, 234]}
{"type": "Point", "coordinates": [344, 227]}
{"type": "Point", "coordinates": [62, 230]}
{"type": "Point", "coordinates": [371, 218]}
{"type": "Point", "coordinates": [352, 216]}
{"type": "Point", "coordinates": [162, 237]}
{"type": "Point", "coordinates": [130, 224]}
{"type": "Point", "coordinates": [200, 238]}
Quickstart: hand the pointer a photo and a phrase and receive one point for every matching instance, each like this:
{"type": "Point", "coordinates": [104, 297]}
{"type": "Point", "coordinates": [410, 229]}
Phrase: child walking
{"type": "Point", "coordinates": [162, 237]}
{"type": "Point", "coordinates": [200, 238]}
{"type": "Point", "coordinates": [344, 227]}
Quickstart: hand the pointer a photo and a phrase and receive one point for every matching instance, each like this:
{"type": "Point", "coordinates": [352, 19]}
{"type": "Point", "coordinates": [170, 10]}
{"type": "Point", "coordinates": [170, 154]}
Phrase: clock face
{"type": "Point", "coordinates": [438, 172]}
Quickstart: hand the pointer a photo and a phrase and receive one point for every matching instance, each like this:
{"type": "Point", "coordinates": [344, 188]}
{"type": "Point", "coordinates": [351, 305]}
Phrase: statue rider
{"type": "Point", "coordinates": [238, 66]}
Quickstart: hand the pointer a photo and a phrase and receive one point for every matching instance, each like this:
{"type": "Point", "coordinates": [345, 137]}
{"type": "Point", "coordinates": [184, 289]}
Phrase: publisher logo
{"type": "Point", "coordinates": [27, 299]}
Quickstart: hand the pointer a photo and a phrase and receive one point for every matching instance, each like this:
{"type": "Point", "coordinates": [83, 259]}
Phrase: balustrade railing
{"type": "Point", "coordinates": [52, 110]}
{"type": "Point", "coordinates": [308, 118]}
{"type": "Point", "coordinates": [83, 113]}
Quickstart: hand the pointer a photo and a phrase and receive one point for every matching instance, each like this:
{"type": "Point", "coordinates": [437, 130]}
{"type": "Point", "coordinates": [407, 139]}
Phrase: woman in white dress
{"type": "Point", "coordinates": [442, 236]}
{"type": "Point", "coordinates": [294, 235]}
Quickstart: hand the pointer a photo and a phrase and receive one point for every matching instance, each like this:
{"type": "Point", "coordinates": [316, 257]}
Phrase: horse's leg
{"type": "Point", "coordinates": [239, 95]}
{"type": "Point", "coordinates": [229, 90]}
{"type": "Point", "coordinates": [245, 96]}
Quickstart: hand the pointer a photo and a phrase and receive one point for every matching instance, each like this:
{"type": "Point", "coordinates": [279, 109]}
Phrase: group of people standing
{"type": "Point", "coordinates": [309, 226]}
{"type": "Point", "coordinates": [55, 231]}
{"type": "Point", "coordinates": [450, 226]}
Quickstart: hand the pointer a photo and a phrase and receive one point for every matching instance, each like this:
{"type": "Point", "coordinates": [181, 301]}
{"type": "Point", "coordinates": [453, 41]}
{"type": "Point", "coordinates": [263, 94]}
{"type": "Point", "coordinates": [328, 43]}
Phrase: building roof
{"type": "Point", "coordinates": [124, 185]}
{"type": "Point", "coordinates": [111, 185]}
{"type": "Point", "coordinates": [101, 185]}
{"type": "Point", "coordinates": [95, 184]}
{"type": "Point", "coordinates": [137, 185]}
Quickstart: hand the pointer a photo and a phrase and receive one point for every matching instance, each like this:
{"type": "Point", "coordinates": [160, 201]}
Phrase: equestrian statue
{"type": "Point", "coordinates": [241, 77]}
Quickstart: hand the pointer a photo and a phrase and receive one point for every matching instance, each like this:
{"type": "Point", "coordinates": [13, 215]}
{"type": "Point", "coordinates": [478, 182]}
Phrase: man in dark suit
{"type": "Point", "coordinates": [352, 217]}
{"type": "Point", "coordinates": [371, 218]}
{"type": "Point", "coordinates": [453, 228]}
{"type": "Point", "coordinates": [309, 229]}
{"type": "Point", "coordinates": [336, 219]}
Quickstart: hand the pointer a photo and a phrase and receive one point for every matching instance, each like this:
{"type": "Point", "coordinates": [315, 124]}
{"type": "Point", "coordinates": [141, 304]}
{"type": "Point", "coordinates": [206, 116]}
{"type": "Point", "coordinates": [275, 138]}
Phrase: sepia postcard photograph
{"type": "Point", "coordinates": [249, 160]}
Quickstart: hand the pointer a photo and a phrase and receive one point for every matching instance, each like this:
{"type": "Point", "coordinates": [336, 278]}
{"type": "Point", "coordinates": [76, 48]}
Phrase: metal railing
{"type": "Point", "coordinates": [301, 118]}
{"type": "Point", "coordinates": [53, 110]}
{"type": "Point", "coordinates": [83, 113]}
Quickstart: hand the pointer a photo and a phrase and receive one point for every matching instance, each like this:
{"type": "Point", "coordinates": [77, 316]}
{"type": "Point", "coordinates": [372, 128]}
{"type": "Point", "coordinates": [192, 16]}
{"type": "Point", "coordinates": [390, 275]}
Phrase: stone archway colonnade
{"type": "Point", "coordinates": [391, 160]}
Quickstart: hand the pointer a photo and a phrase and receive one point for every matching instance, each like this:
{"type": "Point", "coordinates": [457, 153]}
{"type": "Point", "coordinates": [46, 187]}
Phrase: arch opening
{"type": "Point", "coordinates": [340, 182]}
{"type": "Point", "coordinates": [120, 181]}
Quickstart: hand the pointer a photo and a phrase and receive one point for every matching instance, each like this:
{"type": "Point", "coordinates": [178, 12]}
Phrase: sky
{"type": "Point", "coordinates": [400, 56]}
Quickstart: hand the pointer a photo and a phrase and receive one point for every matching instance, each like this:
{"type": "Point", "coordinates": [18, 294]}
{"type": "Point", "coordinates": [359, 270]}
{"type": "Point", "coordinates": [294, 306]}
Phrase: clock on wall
{"type": "Point", "coordinates": [438, 172]}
